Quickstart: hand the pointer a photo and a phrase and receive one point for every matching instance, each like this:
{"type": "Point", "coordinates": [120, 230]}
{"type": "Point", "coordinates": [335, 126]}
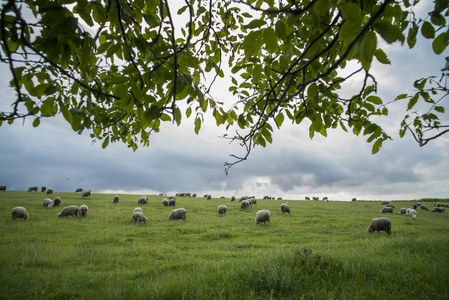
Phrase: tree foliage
{"type": "Point", "coordinates": [119, 68]}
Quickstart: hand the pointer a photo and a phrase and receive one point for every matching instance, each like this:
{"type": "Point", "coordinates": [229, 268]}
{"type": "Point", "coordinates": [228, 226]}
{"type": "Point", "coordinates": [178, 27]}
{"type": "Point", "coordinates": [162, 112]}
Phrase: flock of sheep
{"type": "Point", "coordinates": [384, 224]}
{"type": "Point", "coordinates": [262, 216]}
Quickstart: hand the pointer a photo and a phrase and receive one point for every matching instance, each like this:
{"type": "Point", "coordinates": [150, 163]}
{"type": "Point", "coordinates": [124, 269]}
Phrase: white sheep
{"type": "Point", "coordinates": [413, 214]}
{"type": "Point", "coordinates": [116, 199]}
{"type": "Point", "coordinates": [316, 198]}
{"type": "Point", "coordinates": [83, 210]}
{"type": "Point", "coordinates": [244, 204]}
{"type": "Point", "coordinates": [285, 208]}
{"type": "Point", "coordinates": [19, 212]}
{"type": "Point", "coordinates": [402, 211]}
{"type": "Point", "coordinates": [387, 210]}
{"type": "Point", "coordinates": [165, 202]}
{"type": "Point", "coordinates": [48, 203]}
{"type": "Point", "coordinates": [171, 202]}
{"type": "Point", "coordinates": [57, 201]}
{"type": "Point", "coordinates": [32, 188]}
{"type": "Point", "coordinates": [139, 217]}
{"type": "Point", "coordinates": [379, 224]}
{"type": "Point", "coordinates": [143, 200]}
{"type": "Point", "coordinates": [178, 214]}
{"type": "Point", "coordinates": [68, 211]}
{"type": "Point", "coordinates": [222, 209]}
{"type": "Point", "coordinates": [407, 212]}
{"type": "Point", "coordinates": [263, 216]}
{"type": "Point", "coordinates": [86, 193]}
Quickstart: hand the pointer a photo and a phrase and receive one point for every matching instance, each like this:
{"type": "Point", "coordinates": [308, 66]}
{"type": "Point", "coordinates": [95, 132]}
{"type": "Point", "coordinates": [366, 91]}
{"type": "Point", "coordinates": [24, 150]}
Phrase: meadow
{"type": "Point", "coordinates": [322, 250]}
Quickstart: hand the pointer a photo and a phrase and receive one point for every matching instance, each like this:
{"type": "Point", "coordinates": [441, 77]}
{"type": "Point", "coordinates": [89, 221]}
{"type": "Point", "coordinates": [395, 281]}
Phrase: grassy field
{"type": "Point", "coordinates": [321, 251]}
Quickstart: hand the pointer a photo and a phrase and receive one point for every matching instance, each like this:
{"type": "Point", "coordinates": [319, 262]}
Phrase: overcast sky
{"type": "Point", "coordinates": [340, 166]}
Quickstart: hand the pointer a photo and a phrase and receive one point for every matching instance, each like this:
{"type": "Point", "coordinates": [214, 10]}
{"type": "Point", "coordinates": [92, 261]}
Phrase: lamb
{"type": "Point", "coordinates": [178, 214]}
{"type": "Point", "coordinates": [86, 193]}
{"type": "Point", "coordinates": [49, 191]}
{"type": "Point", "coordinates": [137, 209]}
{"type": "Point", "coordinates": [263, 216]}
{"type": "Point", "coordinates": [438, 209]}
{"type": "Point", "coordinates": [423, 207]}
{"type": "Point", "coordinates": [83, 211]}
{"type": "Point", "coordinates": [57, 201]}
{"type": "Point", "coordinates": [222, 209]}
{"type": "Point", "coordinates": [43, 189]}
{"type": "Point", "coordinates": [116, 199]}
{"type": "Point", "coordinates": [387, 210]}
{"type": "Point", "coordinates": [407, 212]}
{"type": "Point", "coordinates": [69, 211]}
{"type": "Point", "coordinates": [19, 212]}
{"type": "Point", "coordinates": [379, 224]}
{"type": "Point", "coordinates": [79, 190]}
{"type": "Point", "coordinates": [32, 188]}
{"type": "Point", "coordinates": [48, 203]}
{"type": "Point", "coordinates": [172, 202]}
{"type": "Point", "coordinates": [143, 200]}
{"type": "Point", "coordinates": [285, 208]}
{"type": "Point", "coordinates": [165, 202]}
{"type": "Point", "coordinates": [139, 217]}
{"type": "Point", "coordinates": [402, 211]}
{"type": "Point", "coordinates": [3, 188]}
{"type": "Point", "coordinates": [413, 214]}
{"type": "Point", "coordinates": [244, 204]}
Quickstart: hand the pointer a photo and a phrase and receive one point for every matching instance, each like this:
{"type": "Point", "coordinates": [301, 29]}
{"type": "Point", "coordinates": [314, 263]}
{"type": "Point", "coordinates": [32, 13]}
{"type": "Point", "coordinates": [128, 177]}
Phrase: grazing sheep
{"type": "Point", "coordinates": [68, 211]}
{"type": "Point", "coordinates": [232, 199]}
{"type": "Point", "coordinates": [407, 212]}
{"type": "Point", "coordinates": [387, 210]}
{"type": "Point", "coordinates": [83, 210]}
{"type": "Point", "coordinates": [379, 224]}
{"type": "Point", "coordinates": [116, 199]}
{"type": "Point", "coordinates": [3, 188]}
{"type": "Point", "coordinates": [252, 201]}
{"type": "Point", "coordinates": [391, 205]}
{"type": "Point", "coordinates": [326, 199]}
{"type": "Point", "coordinates": [384, 202]}
{"type": "Point", "coordinates": [222, 209]}
{"type": "Point", "coordinates": [178, 214]}
{"type": "Point", "coordinates": [137, 209]}
{"type": "Point", "coordinates": [209, 197]}
{"type": "Point", "coordinates": [415, 205]}
{"type": "Point", "coordinates": [285, 208]}
{"type": "Point", "coordinates": [32, 188]}
{"type": "Point", "coordinates": [43, 189]}
{"type": "Point", "coordinates": [19, 212]}
{"type": "Point", "coordinates": [316, 198]}
{"type": "Point", "coordinates": [142, 200]}
{"type": "Point", "coordinates": [263, 216]}
{"type": "Point", "coordinates": [279, 198]}
{"type": "Point", "coordinates": [57, 201]}
{"type": "Point", "coordinates": [244, 204]}
{"type": "Point", "coordinates": [354, 199]}
{"type": "Point", "coordinates": [402, 211]}
{"type": "Point", "coordinates": [307, 198]}
{"type": "Point", "coordinates": [79, 190]}
{"type": "Point", "coordinates": [165, 202]}
{"type": "Point", "coordinates": [139, 217]}
{"type": "Point", "coordinates": [50, 191]}
{"type": "Point", "coordinates": [86, 193]}
{"type": "Point", "coordinates": [423, 207]}
{"type": "Point", "coordinates": [172, 202]}
{"type": "Point", "coordinates": [193, 195]}
{"type": "Point", "coordinates": [413, 214]}
{"type": "Point", "coordinates": [48, 203]}
{"type": "Point", "coordinates": [438, 209]}
{"type": "Point", "coordinates": [172, 197]}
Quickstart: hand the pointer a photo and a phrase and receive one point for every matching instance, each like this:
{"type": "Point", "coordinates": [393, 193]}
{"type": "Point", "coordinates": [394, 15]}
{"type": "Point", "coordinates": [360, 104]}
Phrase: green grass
{"type": "Point", "coordinates": [320, 251]}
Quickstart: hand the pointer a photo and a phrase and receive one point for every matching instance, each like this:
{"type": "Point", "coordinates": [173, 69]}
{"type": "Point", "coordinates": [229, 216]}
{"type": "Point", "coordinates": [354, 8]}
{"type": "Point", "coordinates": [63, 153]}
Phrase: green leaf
{"type": "Point", "coordinates": [439, 44]}
{"type": "Point", "coordinates": [279, 119]}
{"type": "Point", "coordinates": [105, 142]}
{"type": "Point", "coordinates": [427, 30]}
{"type": "Point", "coordinates": [36, 122]}
{"type": "Point", "coordinates": [255, 24]}
{"type": "Point", "coordinates": [439, 109]}
{"type": "Point", "coordinates": [270, 40]}
{"type": "Point", "coordinates": [377, 145]}
{"type": "Point", "coordinates": [152, 113]}
{"type": "Point", "coordinates": [257, 72]}
{"type": "Point", "coordinates": [412, 101]}
{"type": "Point", "coordinates": [374, 99]}
{"type": "Point", "coordinates": [412, 32]}
{"type": "Point", "coordinates": [197, 125]}
{"type": "Point", "coordinates": [382, 57]}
